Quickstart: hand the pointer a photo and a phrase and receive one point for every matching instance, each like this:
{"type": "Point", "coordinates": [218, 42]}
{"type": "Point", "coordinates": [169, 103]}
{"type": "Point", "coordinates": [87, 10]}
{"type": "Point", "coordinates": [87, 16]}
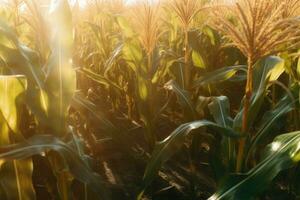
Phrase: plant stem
{"type": "Point", "coordinates": [187, 69]}
{"type": "Point", "coordinates": [150, 104]}
{"type": "Point", "coordinates": [248, 94]}
{"type": "Point", "coordinates": [129, 106]}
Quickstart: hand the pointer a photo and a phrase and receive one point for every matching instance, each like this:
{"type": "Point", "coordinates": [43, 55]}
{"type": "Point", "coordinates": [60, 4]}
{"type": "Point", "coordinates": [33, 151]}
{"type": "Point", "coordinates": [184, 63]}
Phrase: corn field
{"type": "Point", "coordinates": [149, 100]}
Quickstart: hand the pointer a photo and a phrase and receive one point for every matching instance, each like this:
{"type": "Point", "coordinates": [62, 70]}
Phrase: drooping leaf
{"type": "Point", "coordinates": [100, 79]}
{"type": "Point", "coordinates": [16, 175]}
{"type": "Point", "coordinates": [219, 75]}
{"type": "Point", "coordinates": [169, 146]}
{"type": "Point", "coordinates": [43, 143]}
{"type": "Point", "coordinates": [22, 60]}
{"type": "Point", "coordinates": [281, 154]}
{"type": "Point", "coordinates": [85, 106]}
{"type": "Point", "coordinates": [269, 120]}
{"type": "Point", "coordinates": [90, 110]}
{"type": "Point", "coordinates": [19, 57]}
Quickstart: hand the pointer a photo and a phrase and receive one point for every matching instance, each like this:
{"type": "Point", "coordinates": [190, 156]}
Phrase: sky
{"type": "Point", "coordinates": [83, 2]}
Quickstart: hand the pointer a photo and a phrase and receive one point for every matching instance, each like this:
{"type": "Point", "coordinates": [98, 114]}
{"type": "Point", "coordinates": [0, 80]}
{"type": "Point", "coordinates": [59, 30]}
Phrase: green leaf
{"type": "Point", "coordinates": [15, 176]}
{"type": "Point", "coordinates": [11, 88]}
{"type": "Point", "coordinates": [198, 60]}
{"type": "Point", "coordinates": [269, 120]}
{"type": "Point", "coordinates": [43, 143]}
{"type": "Point", "coordinates": [262, 72]}
{"type": "Point", "coordinates": [100, 79]}
{"type": "Point", "coordinates": [142, 89]}
{"type": "Point", "coordinates": [83, 105]}
{"type": "Point", "coordinates": [298, 69]}
{"type": "Point", "coordinates": [176, 70]}
{"type": "Point", "coordinates": [90, 110]}
{"type": "Point", "coordinates": [169, 146]}
{"type": "Point", "coordinates": [17, 56]}
{"type": "Point", "coordinates": [220, 109]}
{"type": "Point", "coordinates": [277, 71]}
{"type": "Point", "coordinates": [183, 97]}
{"type": "Point", "coordinates": [166, 64]}
{"type": "Point", "coordinates": [60, 82]}
{"type": "Point", "coordinates": [60, 78]}
{"type": "Point", "coordinates": [219, 75]}
{"type": "Point", "coordinates": [281, 154]}
{"type": "Point", "coordinates": [211, 35]}
{"type": "Point", "coordinates": [125, 26]}
{"type": "Point", "coordinates": [22, 60]}
{"type": "Point", "coordinates": [16, 180]}
{"type": "Point", "coordinates": [133, 55]}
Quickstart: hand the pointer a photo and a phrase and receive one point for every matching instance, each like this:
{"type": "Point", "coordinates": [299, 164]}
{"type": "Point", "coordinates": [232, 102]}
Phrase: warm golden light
{"type": "Point", "coordinates": [149, 99]}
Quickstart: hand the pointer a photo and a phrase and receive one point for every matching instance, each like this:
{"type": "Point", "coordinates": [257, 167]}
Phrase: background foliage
{"type": "Point", "coordinates": [181, 99]}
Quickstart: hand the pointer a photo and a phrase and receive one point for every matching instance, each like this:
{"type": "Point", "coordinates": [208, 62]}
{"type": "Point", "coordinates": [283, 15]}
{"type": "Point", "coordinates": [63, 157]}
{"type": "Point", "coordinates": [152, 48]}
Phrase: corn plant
{"type": "Point", "coordinates": [123, 88]}
{"type": "Point", "coordinates": [247, 31]}
{"type": "Point", "coordinates": [47, 94]}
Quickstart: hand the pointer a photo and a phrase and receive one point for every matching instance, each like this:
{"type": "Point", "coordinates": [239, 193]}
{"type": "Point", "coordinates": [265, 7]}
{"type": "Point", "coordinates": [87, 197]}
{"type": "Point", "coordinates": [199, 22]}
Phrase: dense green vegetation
{"type": "Point", "coordinates": [179, 99]}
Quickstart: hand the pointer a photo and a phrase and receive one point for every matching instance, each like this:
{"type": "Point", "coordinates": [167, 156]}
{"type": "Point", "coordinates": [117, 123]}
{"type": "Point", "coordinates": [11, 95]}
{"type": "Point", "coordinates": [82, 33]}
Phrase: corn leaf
{"type": "Point", "coordinates": [88, 108]}
{"type": "Point", "coordinates": [220, 109]}
{"type": "Point", "coordinates": [43, 143]}
{"type": "Point", "coordinates": [198, 60]}
{"type": "Point", "coordinates": [60, 77]}
{"type": "Point", "coordinates": [219, 75]}
{"type": "Point", "coordinates": [100, 79]}
{"type": "Point", "coordinates": [15, 175]}
{"type": "Point", "coordinates": [270, 119]}
{"type": "Point", "coordinates": [183, 97]}
{"type": "Point", "coordinates": [132, 54]}
{"type": "Point", "coordinates": [281, 154]}
{"type": "Point", "coordinates": [261, 76]}
{"type": "Point", "coordinates": [164, 150]}
{"type": "Point", "coordinates": [125, 26]}
{"type": "Point", "coordinates": [22, 60]}
{"type": "Point", "coordinates": [113, 59]}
